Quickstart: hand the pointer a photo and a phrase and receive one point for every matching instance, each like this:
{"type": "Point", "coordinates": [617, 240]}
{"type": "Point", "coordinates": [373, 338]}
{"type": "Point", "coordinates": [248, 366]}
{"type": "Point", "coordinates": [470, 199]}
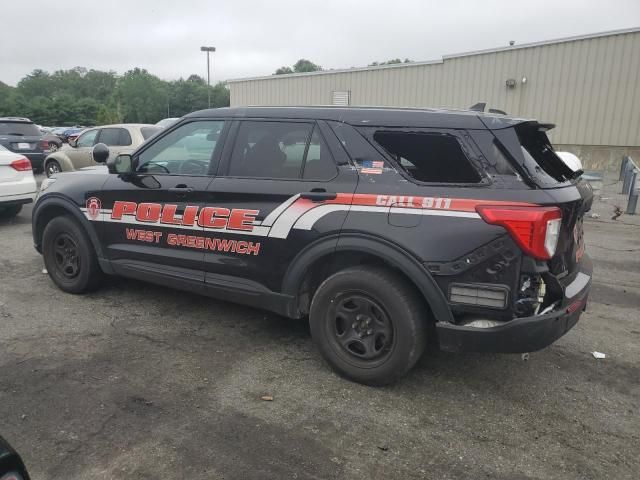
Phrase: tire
{"type": "Point", "coordinates": [52, 167]}
{"type": "Point", "coordinates": [369, 324]}
{"type": "Point", "coordinates": [53, 146]}
{"type": "Point", "coordinates": [11, 211]}
{"type": "Point", "coordinates": [69, 256]}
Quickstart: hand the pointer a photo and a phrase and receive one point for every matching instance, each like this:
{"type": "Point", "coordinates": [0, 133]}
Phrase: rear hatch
{"type": "Point", "coordinates": [537, 162]}
{"type": "Point", "coordinates": [20, 136]}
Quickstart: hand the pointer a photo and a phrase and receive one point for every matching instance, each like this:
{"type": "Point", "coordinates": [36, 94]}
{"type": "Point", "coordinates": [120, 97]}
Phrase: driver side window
{"type": "Point", "coordinates": [188, 150]}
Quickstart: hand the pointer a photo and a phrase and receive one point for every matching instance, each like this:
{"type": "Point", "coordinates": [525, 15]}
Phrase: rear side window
{"type": "Point", "coordinates": [270, 149]}
{"type": "Point", "coordinates": [20, 129]}
{"type": "Point", "coordinates": [115, 137]}
{"type": "Point", "coordinates": [428, 157]}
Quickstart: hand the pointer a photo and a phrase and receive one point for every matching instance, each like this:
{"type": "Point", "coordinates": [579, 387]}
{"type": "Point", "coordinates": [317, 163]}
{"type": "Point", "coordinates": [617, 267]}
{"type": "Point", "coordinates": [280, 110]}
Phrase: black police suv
{"type": "Point", "coordinates": [385, 227]}
{"type": "Point", "coordinates": [20, 135]}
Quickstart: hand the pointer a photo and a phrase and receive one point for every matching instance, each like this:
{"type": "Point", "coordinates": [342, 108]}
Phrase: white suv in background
{"type": "Point", "coordinates": [17, 183]}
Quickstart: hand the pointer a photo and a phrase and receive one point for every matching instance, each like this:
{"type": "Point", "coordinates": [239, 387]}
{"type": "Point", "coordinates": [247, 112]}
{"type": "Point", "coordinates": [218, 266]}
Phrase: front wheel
{"type": "Point", "coordinates": [69, 256]}
{"type": "Point", "coordinates": [369, 324]}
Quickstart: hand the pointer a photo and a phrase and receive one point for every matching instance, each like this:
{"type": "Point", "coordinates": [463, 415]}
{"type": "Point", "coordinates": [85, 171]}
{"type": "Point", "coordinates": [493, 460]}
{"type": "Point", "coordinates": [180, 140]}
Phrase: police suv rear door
{"type": "Point", "coordinates": [292, 183]}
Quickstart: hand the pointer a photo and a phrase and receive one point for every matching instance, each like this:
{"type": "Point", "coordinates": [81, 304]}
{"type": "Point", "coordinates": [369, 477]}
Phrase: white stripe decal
{"type": "Point", "coordinates": [269, 219]}
{"type": "Point", "coordinates": [307, 220]}
{"type": "Point", "coordinates": [283, 224]}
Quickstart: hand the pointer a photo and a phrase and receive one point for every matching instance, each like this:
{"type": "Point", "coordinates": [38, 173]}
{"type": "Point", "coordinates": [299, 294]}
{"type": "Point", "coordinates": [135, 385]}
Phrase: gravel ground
{"type": "Point", "coordinates": [139, 381]}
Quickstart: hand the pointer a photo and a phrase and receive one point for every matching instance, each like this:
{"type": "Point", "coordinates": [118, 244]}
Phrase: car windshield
{"type": "Point", "coordinates": [18, 128]}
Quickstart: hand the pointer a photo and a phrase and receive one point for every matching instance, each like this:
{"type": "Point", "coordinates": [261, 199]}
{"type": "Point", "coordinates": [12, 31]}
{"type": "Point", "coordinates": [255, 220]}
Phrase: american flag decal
{"type": "Point", "coordinates": [374, 167]}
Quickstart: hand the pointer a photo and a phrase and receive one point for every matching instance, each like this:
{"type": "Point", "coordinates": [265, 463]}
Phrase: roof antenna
{"type": "Point", "coordinates": [512, 42]}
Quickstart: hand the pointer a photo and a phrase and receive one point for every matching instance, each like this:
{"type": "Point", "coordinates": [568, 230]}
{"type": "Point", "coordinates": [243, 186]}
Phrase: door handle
{"type": "Point", "coordinates": [318, 195]}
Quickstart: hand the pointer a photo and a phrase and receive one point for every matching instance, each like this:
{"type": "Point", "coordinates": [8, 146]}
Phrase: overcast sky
{"type": "Point", "coordinates": [254, 38]}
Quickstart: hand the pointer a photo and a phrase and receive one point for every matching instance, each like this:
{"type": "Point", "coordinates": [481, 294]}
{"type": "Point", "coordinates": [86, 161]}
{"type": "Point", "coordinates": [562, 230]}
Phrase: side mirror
{"type": "Point", "coordinates": [100, 153]}
{"type": "Point", "coordinates": [73, 142]}
{"type": "Point", "coordinates": [123, 163]}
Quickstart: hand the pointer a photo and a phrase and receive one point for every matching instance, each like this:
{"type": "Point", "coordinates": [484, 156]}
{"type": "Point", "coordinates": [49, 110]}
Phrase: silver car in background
{"type": "Point", "coordinates": [120, 138]}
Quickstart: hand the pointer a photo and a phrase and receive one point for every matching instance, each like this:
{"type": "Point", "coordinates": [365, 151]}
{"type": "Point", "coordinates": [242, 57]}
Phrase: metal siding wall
{"type": "Point", "coordinates": [588, 87]}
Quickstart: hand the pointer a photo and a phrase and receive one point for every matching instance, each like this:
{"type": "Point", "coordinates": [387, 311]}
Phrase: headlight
{"type": "Point", "coordinates": [46, 183]}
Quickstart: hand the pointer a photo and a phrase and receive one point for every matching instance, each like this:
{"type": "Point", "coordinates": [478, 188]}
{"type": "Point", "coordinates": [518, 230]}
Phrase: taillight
{"type": "Point", "coordinates": [22, 164]}
{"type": "Point", "coordinates": [44, 144]}
{"type": "Point", "coordinates": [535, 229]}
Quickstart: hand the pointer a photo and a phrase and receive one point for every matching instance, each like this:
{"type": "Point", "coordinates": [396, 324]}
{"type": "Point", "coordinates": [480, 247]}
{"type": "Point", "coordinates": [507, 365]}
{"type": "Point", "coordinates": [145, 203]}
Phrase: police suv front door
{"type": "Point", "coordinates": [151, 217]}
{"type": "Point", "coordinates": [287, 183]}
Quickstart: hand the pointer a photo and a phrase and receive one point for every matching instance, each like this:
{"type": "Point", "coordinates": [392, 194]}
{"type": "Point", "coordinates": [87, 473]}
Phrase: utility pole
{"type": "Point", "coordinates": [208, 50]}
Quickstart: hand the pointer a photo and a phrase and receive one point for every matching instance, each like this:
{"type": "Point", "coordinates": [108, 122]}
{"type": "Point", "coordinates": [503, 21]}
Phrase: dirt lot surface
{"type": "Point", "coordinates": [139, 381]}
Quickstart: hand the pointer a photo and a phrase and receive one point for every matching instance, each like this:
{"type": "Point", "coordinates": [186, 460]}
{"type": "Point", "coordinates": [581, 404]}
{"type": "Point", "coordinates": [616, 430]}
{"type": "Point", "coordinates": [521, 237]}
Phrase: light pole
{"type": "Point", "coordinates": [208, 50]}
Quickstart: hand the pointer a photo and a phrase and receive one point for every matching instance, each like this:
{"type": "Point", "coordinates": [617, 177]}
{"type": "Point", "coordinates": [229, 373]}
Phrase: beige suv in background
{"type": "Point", "coordinates": [122, 138]}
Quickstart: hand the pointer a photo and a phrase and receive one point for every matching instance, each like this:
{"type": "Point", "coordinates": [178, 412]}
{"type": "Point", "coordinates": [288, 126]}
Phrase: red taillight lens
{"type": "Point", "coordinates": [535, 229]}
{"type": "Point", "coordinates": [44, 144]}
{"type": "Point", "coordinates": [22, 164]}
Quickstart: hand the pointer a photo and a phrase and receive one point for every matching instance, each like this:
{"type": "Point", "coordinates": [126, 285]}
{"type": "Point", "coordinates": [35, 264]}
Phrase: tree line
{"type": "Point", "coordinates": [92, 97]}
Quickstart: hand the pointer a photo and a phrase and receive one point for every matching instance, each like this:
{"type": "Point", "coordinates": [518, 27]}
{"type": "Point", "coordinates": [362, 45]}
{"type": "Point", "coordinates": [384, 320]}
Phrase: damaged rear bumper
{"type": "Point", "coordinates": [522, 335]}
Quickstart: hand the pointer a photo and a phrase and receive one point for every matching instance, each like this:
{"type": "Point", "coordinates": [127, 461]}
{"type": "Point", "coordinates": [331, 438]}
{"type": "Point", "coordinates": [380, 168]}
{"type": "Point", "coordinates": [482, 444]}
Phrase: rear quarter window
{"type": "Point", "coordinates": [428, 157]}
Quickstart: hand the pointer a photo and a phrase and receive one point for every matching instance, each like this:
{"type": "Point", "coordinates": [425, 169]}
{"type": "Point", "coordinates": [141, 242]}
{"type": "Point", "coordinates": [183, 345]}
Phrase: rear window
{"type": "Point", "coordinates": [537, 150]}
{"type": "Point", "coordinates": [428, 157]}
{"type": "Point", "coordinates": [148, 132]}
{"type": "Point", "coordinates": [21, 129]}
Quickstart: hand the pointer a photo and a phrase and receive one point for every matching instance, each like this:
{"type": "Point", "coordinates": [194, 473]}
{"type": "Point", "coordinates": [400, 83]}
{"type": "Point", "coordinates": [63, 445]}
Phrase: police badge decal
{"type": "Point", "coordinates": [93, 207]}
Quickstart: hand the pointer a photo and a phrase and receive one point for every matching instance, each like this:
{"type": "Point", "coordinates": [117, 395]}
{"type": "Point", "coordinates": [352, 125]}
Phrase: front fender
{"type": "Point", "coordinates": [52, 206]}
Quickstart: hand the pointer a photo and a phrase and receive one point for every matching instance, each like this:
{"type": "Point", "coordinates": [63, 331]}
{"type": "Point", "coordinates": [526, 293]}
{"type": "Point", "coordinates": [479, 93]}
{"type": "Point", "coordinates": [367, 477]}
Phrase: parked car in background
{"type": "Point", "coordinates": [166, 122]}
{"type": "Point", "coordinates": [17, 183]}
{"type": "Point", "coordinates": [21, 135]}
{"type": "Point", "coordinates": [72, 133]}
{"type": "Point", "coordinates": [121, 138]}
{"type": "Point", "coordinates": [51, 142]}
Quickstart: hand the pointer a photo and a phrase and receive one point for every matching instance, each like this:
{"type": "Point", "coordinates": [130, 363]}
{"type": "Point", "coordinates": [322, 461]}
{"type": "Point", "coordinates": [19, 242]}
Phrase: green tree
{"type": "Point", "coordinates": [92, 97]}
{"type": "Point", "coordinates": [301, 66]}
{"type": "Point", "coordinates": [142, 96]}
{"type": "Point", "coordinates": [304, 65]}
{"type": "Point", "coordinates": [283, 70]}
{"type": "Point", "coordinates": [393, 61]}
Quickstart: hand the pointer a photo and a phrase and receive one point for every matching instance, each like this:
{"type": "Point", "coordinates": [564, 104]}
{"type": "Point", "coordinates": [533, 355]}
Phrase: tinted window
{"type": "Point", "coordinates": [148, 132]}
{"type": "Point", "coordinates": [319, 164]}
{"type": "Point", "coordinates": [18, 128]}
{"type": "Point", "coordinates": [87, 139]}
{"type": "Point", "coordinates": [187, 150]}
{"type": "Point", "coordinates": [115, 137]}
{"type": "Point", "coordinates": [270, 149]}
{"type": "Point", "coordinates": [429, 157]}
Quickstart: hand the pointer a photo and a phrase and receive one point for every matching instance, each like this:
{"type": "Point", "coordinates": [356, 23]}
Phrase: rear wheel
{"type": "Point", "coordinates": [52, 167]}
{"type": "Point", "coordinates": [69, 256]}
{"type": "Point", "coordinates": [369, 324]}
